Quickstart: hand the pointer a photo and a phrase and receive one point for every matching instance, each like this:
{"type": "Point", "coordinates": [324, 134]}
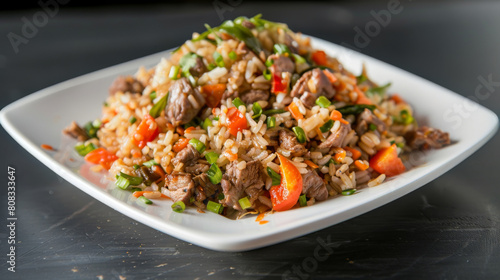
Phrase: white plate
{"type": "Point", "coordinates": [40, 117]}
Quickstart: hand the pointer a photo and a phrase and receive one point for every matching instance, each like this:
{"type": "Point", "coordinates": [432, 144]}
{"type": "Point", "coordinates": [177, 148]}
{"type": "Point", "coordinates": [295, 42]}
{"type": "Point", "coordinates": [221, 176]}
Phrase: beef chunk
{"type": "Point", "coordinates": [189, 156]}
{"type": "Point", "coordinates": [314, 186]}
{"type": "Point", "coordinates": [126, 84]}
{"type": "Point", "coordinates": [199, 67]}
{"type": "Point", "coordinates": [282, 63]}
{"type": "Point", "coordinates": [254, 95]}
{"type": "Point", "coordinates": [75, 131]}
{"type": "Point", "coordinates": [236, 183]}
{"type": "Point", "coordinates": [197, 168]}
{"type": "Point", "coordinates": [427, 137]}
{"type": "Point", "coordinates": [291, 43]}
{"type": "Point", "coordinates": [180, 186]}
{"type": "Point", "coordinates": [365, 119]}
{"type": "Point", "coordinates": [288, 141]}
{"type": "Point", "coordinates": [336, 138]}
{"type": "Point", "coordinates": [248, 24]}
{"type": "Point", "coordinates": [204, 188]}
{"type": "Point", "coordinates": [316, 83]}
{"type": "Point", "coordinates": [179, 109]}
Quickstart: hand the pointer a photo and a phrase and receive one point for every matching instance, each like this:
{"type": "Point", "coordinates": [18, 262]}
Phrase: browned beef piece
{"type": "Point", "coordinates": [288, 141]}
{"type": "Point", "coordinates": [189, 155]}
{"type": "Point", "coordinates": [126, 84]}
{"type": "Point", "coordinates": [248, 24]}
{"type": "Point", "coordinates": [314, 186]}
{"type": "Point", "coordinates": [199, 68]}
{"type": "Point", "coordinates": [336, 138]}
{"type": "Point", "coordinates": [282, 63]}
{"type": "Point", "coordinates": [197, 168]}
{"type": "Point", "coordinates": [322, 87]}
{"type": "Point", "coordinates": [427, 137]}
{"type": "Point", "coordinates": [180, 186]}
{"type": "Point", "coordinates": [365, 119]}
{"type": "Point", "coordinates": [291, 43]}
{"type": "Point", "coordinates": [236, 183]}
{"type": "Point", "coordinates": [254, 95]}
{"type": "Point", "coordinates": [75, 131]}
{"type": "Point", "coordinates": [179, 109]}
{"type": "Point", "coordinates": [204, 188]}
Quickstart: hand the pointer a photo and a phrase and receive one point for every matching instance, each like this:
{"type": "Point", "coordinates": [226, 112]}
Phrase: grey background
{"type": "Point", "coordinates": [448, 229]}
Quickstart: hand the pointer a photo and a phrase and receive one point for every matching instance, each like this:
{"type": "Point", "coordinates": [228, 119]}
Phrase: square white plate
{"type": "Point", "coordinates": [40, 117]}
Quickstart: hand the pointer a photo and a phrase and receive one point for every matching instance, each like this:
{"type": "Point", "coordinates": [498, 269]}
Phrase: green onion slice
{"type": "Point", "coordinates": [232, 55]}
{"type": "Point", "coordinates": [378, 90]}
{"type": "Point", "coordinates": [267, 74]}
{"type": "Point", "coordinates": [219, 60]}
{"type": "Point", "coordinates": [303, 200]}
{"type": "Point", "coordinates": [206, 123]}
{"type": "Point", "coordinates": [134, 180]}
{"type": "Point", "coordinates": [348, 191]}
{"type": "Point", "coordinates": [214, 174]}
{"type": "Point", "coordinates": [152, 95]}
{"type": "Point", "coordinates": [355, 109]}
{"type": "Point", "coordinates": [132, 120]}
{"type": "Point", "coordinates": [122, 182]}
{"type": "Point", "coordinates": [372, 127]}
{"type": "Point", "coordinates": [211, 66]}
{"type": "Point", "coordinates": [197, 144]}
{"type": "Point", "coordinates": [257, 110]}
{"type": "Point", "coordinates": [178, 207]}
{"type": "Point", "coordinates": [245, 203]}
{"type": "Point", "coordinates": [299, 132]}
{"type": "Point", "coordinates": [327, 126]}
{"type": "Point", "coordinates": [273, 112]}
{"type": "Point", "coordinates": [271, 122]}
{"type": "Point", "coordinates": [144, 200]}
{"type": "Point", "coordinates": [212, 157]}
{"type": "Point", "coordinates": [298, 59]}
{"type": "Point", "coordinates": [220, 196]}
{"type": "Point", "coordinates": [136, 166]}
{"type": "Point", "coordinates": [323, 102]}
{"type": "Point", "coordinates": [150, 163]}
{"type": "Point", "coordinates": [275, 177]}
{"type": "Point", "coordinates": [269, 62]}
{"type": "Point", "coordinates": [83, 149]}
{"type": "Point", "coordinates": [158, 107]}
{"type": "Point", "coordinates": [237, 102]}
{"type": "Point", "coordinates": [281, 49]}
{"type": "Point", "coordinates": [215, 207]}
{"type": "Point", "coordinates": [174, 72]}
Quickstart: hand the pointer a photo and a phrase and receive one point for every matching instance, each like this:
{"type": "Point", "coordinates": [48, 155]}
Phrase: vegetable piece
{"type": "Point", "coordinates": [232, 55]}
{"type": "Point", "coordinates": [361, 165]}
{"type": "Point", "coordinates": [134, 180]}
{"type": "Point", "coordinates": [144, 200]}
{"type": "Point", "coordinates": [235, 121]}
{"type": "Point", "coordinates": [298, 59]}
{"type": "Point", "coordinates": [405, 117]}
{"type": "Point", "coordinates": [197, 144]}
{"type": "Point", "coordinates": [214, 174]}
{"type": "Point", "coordinates": [319, 57]}
{"type": "Point", "coordinates": [219, 60]}
{"type": "Point", "coordinates": [311, 164]}
{"type": "Point", "coordinates": [294, 110]}
{"type": "Point", "coordinates": [215, 207]}
{"type": "Point", "coordinates": [286, 195]}
{"type": "Point", "coordinates": [301, 135]}
{"type": "Point", "coordinates": [178, 207]}
{"type": "Point", "coordinates": [257, 110]}
{"type": "Point", "coordinates": [323, 102]}
{"type": "Point", "coordinates": [339, 156]}
{"type": "Point", "coordinates": [91, 129]}
{"type": "Point", "coordinates": [348, 192]}
{"type": "Point", "coordinates": [132, 120]}
{"type": "Point", "coordinates": [181, 144]}
{"type": "Point", "coordinates": [242, 33]}
{"type": "Point", "coordinates": [212, 157]}
{"type": "Point", "coordinates": [174, 72]}
{"type": "Point", "coordinates": [230, 155]}
{"type": "Point", "coordinates": [267, 74]}
{"type": "Point", "coordinates": [397, 99]}
{"type": "Point", "coordinates": [327, 126]}
{"type": "Point", "coordinates": [355, 153]}
{"type": "Point", "coordinates": [337, 116]}
{"type": "Point", "coordinates": [355, 109]}
{"type": "Point", "coordinates": [237, 102]}
{"type": "Point", "coordinates": [273, 112]}
{"type": "Point", "coordinates": [281, 49]}
{"type": "Point", "coordinates": [101, 156]}
{"type": "Point", "coordinates": [152, 95]}
{"type": "Point", "coordinates": [275, 177]}
{"type": "Point", "coordinates": [279, 85]}
{"type": "Point", "coordinates": [158, 107]}
{"type": "Point", "coordinates": [269, 62]}
{"type": "Point", "coordinates": [136, 166]}
{"type": "Point", "coordinates": [150, 163]}
{"type": "Point", "coordinates": [372, 127]}
{"type": "Point", "coordinates": [303, 200]}
{"type": "Point", "coordinates": [245, 203]}
{"type": "Point", "coordinates": [386, 161]}
{"type": "Point", "coordinates": [206, 123]}
{"type": "Point", "coordinates": [83, 149]}
{"type": "Point", "coordinates": [381, 90]}
{"type": "Point", "coordinates": [122, 183]}
{"type": "Point", "coordinates": [271, 122]}
{"type": "Point", "coordinates": [145, 132]}
{"type": "Point", "coordinates": [330, 76]}
{"type": "Point", "coordinates": [187, 62]}
{"type": "Point", "coordinates": [362, 99]}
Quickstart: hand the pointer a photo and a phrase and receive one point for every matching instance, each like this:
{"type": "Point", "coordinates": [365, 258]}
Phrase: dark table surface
{"type": "Point", "coordinates": [448, 229]}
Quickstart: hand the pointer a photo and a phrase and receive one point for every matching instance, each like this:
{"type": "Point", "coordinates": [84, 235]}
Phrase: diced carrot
{"type": "Point", "coordinates": [101, 156]}
{"type": "Point", "coordinates": [213, 94]}
{"type": "Point", "coordinates": [138, 194]}
{"type": "Point", "coordinates": [339, 156]}
{"type": "Point", "coordinates": [230, 155]}
{"type": "Point", "coordinates": [330, 76]}
{"type": "Point", "coordinates": [145, 132]}
{"type": "Point", "coordinates": [294, 110]}
{"type": "Point", "coordinates": [311, 164]}
{"type": "Point", "coordinates": [169, 169]}
{"type": "Point", "coordinates": [362, 99]}
{"type": "Point", "coordinates": [158, 170]}
{"type": "Point", "coordinates": [181, 144]}
{"type": "Point", "coordinates": [337, 116]}
{"type": "Point", "coordinates": [47, 147]}
{"type": "Point", "coordinates": [355, 153]}
{"type": "Point", "coordinates": [263, 222]}
{"type": "Point", "coordinates": [361, 165]}
{"type": "Point", "coordinates": [189, 129]}
{"type": "Point", "coordinates": [165, 196]}
{"type": "Point", "coordinates": [386, 161]}
{"type": "Point", "coordinates": [397, 99]}
{"type": "Point", "coordinates": [136, 154]}
{"type": "Point", "coordinates": [180, 130]}
{"type": "Point", "coordinates": [235, 121]}
{"type": "Point", "coordinates": [260, 217]}
{"type": "Point", "coordinates": [319, 57]}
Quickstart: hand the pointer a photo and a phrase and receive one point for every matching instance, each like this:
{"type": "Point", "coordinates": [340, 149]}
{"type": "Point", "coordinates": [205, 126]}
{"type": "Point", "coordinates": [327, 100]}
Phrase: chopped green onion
{"type": "Point", "coordinates": [178, 207]}
{"type": "Point", "coordinates": [150, 163]}
{"type": "Point", "coordinates": [91, 130]}
{"type": "Point", "coordinates": [237, 102]}
{"type": "Point", "coordinates": [158, 107]}
{"type": "Point", "coordinates": [406, 118]}
{"type": "Point", "coordinates": [400, 145]}
{"type": "Point", "coordinates": [133, 180]}
{"type": "Point", "coordinates": [323, 102]}
{"type": "Point", "coordinates": [275, 177]}
{"type": "Point", "coordinates": [392, 142]}
{"type": "Point", "coordinates": [269, 62]}
{"type": "Point", "coordinates": [211, 30]}
{"type": "Point", "coordinates": [191, 199]}
{"type": "Point", "coordinates": [216, 118]}
{"type": "Point", "coordinates": [214, 174]}
{"type": "Point", "coordinates": [355, 109]}
{"type": "Point", "coordinates": [295, 79]}
{"type": "Point", "coordinates": [191, 79]}
{"type": "Point", "coordinates": [348, 191]}
{"type": "Point", "coordinates": [219, 60]}
{"type": "Point", "coordinates": [378, 90]}
{"type": "Point", "coordinates": [197, 144]}
{"type": "Point", "coordinates": [273, 112]}
{"type": "Point", "coordinates": [220, 196]}
{"type": "Point", "coordinates": [144, 200]}
{"type": "Point", "coordinates": [361, 78]}
{"type": "Point", "coordinates": [105, 104]}
{"type": "Point", "coordinates": [122, 183]}
{"type": "Point", "coordinates": [212, 157]}
{"type": "Point", "coordinates": [97, 123]}
{"type": "Point", "coordinates": [135, 190]}
{"type": "Point", "coordinates": [271, 122]}
{"type": "Point", "coordinates": [257, 110]}
{"type": "Point", "coordinates": [152, 95]}
{"type": "Point", "coordinates": [215, 207]}
{"type": "Point", "coordinates": [132, 120]}
{"type": "Point", "coordinates": [187, 62]}
{"type": "Point", "coordinates": [245, 203]}
{"type": "Point", "coordinates": [331, 161]}
{"type": "Point", "coordinates": [232, 55]}
{"type": "Point", "coordinates": [174, 72]}
{"type": "Point", "coordinates": [267, 74]}
{"type": "Point", "coordinates": [299, 132]}
{"type": "Point", "coordinates": [192, 123]}
{"type": "Point", "coordinates": [206, 123]}
{"type": "Point", "coordinates": [83, 149]}
{"type": "Point", "coordinates": [327, 126]}
{"type": "Point", "coordinates": [372, 127]}
{"type": "Point", "coordinates": [281, 49]}
{"type": "Point", "coordinates": [303, 200]}
{"type": "Point", "coordinates": [298, 59]}
{"type": "Point", "coordinates": [211, 66]}
{"type": "Point", "coordinates": [136, 166]}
